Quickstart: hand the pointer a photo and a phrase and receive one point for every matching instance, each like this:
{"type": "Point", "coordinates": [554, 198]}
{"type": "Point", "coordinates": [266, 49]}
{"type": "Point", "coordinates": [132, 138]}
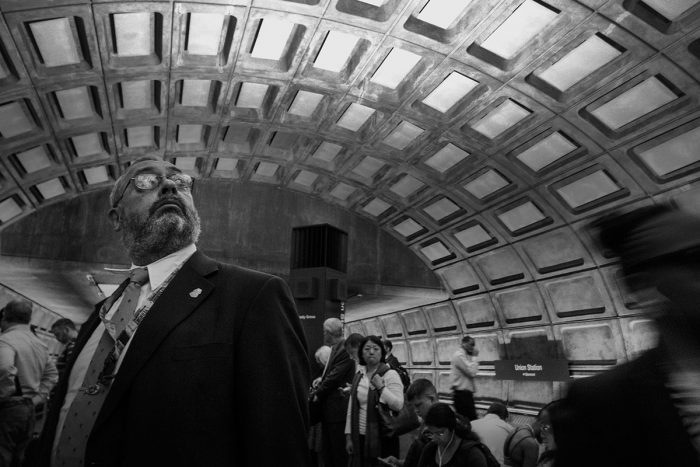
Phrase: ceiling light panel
{"type": "Point", "coordinates": [95, 175]}
{"type": "Point", "coordinates": [446, 158]}
{"type": "Point", "coordinates": [472, 236]}
{"type": "Point", "coordinates": [51, 188]}
{"type": "Point", "coordinates": [403, 135]}
{"type": "Point", "coordinates": [368, 167]}
{"type": "Point", "coordinates": [266, 169]}
{"type": "Point", "coordinates": [486, 184]}
{"type": "Point", "coordinates": [335, 51]}
{"type": "Point", "coordinates": [673, 154]}
{"type": "Point", "coordinates": [34, 160]}
{"type": "Point", "coordinates": [88, 145]}
{"type": "Point", "coordinates": [326, 151]}
{"type": "Point", "coordinates": [204, 33]}
{"type": "Point", "coordinates": [14, 120]}
{"type": "Point", "coordinates": [407, 186]}
{"type": "Point", "coordinates": [546, 151]}
{"type": "Point", "coordinates": [251, 95]}
{"type": "Point", "coordinates": [55, 41]}
{"type": "Point", "coordinates": [671, 9]}
{"type": "Point", "coordinates": [408, 227]}
{"type": "Point", "coordinates": [394, 68]}
{"type": "Point", "coordinates": [450, 91]}
{"type": "Point", "coordinates": [588, 189]}
{"type": "Point", "coordinates": [435, 251]}
{"type": "Point", "coordinates": [305, 178]}
{"type": "Point", "coordinates": [441, 209]}
{"type": "Point", "coordinates": [134, 34]}
{"type": "Point", "coordinates": [136, 95]}
{"type": "Point", "coordinates": [503, 117]}
{"type": "Point", "coordinates": [592, 54]}
{"type": "Point", "coordinates": [376, 207]}
{"type": "Point", "coordinates": [186, 163]}
{"type": "Point", "coordinates": [519, 28]}
{"type": "Point", "coordinates": [75, 103]}
{"type": "Point", "coordinates": [355, 116]}
{"type": "Point", "coordinates": [442, 13]}
{"type": "Point", "coordinates": [272, 38]}
{"type": "Point", "coordinates": [9, 209]}
{"type": "Point", "coordinates": [521, 216]}
{"type": "Point", "coordinates": [305, 103]}
{"type": "Point", "coordinates": [342, 191]}
{"type": "Point", "coordinates": [195, 92]}
{"type": "Point", "coordinates": [189, 134]}
{"type": "Point", "coordinates": [139, 136]}
{"type": "Point", "coordinates": [634, 103]}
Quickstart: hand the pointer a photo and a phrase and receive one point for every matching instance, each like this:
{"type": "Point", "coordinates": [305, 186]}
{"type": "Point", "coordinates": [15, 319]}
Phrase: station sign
{"type": "Point", "coordinates": [533, 370]}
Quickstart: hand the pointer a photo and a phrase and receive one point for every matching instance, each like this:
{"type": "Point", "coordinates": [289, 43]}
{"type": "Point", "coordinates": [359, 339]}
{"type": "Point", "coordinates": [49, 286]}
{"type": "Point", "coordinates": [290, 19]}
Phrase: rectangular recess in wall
{"type": "Point", "coordinates": [442, 13]}
{"type": "Point", "coordinates": [336, 50]}
{"type": "Point", "coordinates": [486, 184]}
{"type": "Point", "coordinates": [408, 228]}
{"type": "Point", "coordinates": [592, 189]}
{"type": "Point", "coordinates": [34, 159]}
{"type": "Point", "coordinates": [477, 312]}
{"type": "Point", "coordinates": [15, 119]}
{"type": "Point", "coordinates": [195, 92]}
{"type": "Point", "coordinates": [443, 210]}
{"type": "Point", "coordinates": [266, 169]}
{"type": "Point", "coordinates": [547, 151]}
{"type": "Point", "coordinates": [133, 34]}
{"type": "Point", "coordinates": [49, 189]}
{"type": "Point", "coordinates": [671, 155]}
{"type": "Point", "coordinates": [506, 115]}
{"type": "Point", "coordinates": [473, 236]}
{"type": "Point", "coordinates": [56, 42]}
{"type": "Point", "coordinates": [450, 91]}
{"type": "Point", "coordinates": [415, 324]}
{"type": "Point", "coordinates": [522, 216]}
{"type": "Point", "coordinates": [447, 157]}
{"type": "Point", "coordinates": [9, 209]}
{"type": "Point", "coordinates": [671, 9]}
{"type": "Point", "coordinates": [136, 95]}
{"type": "Point", "coordinates": [204, 33]}
{"type": "Point", "coordinates": [368, 167]}
{"type": "Point", "coordinates": [392, 326]}
{"type": "Point", "coordinates": [76, 103]}
{"type": "Point", "coordinates": [305, 103]}
{"type": "Point", "coordinates": [189, 133]}
{"type": "Point", "coordinates": [95, 175]}
{"type": "Point", "coordinates": [403, 135]}
{"type": "Point", "coordinates": [395, 67]}
{"type": "Point", "coordinates": [442, 318]}
{"type": "Point", "coordinates": [305, 178]}
{"type": "Point", "coordinates": [521, 304]}
{"type": "Point", "coordinates": [139, 136]}
{"type": "Point", "coordinates": [89, 144]}
{"type": "Point", "coordinates": [436, 251]}
{"type": "Point", "coordinates": [271, 39]}
{"type": "Point", "coordinates": [574, 297]}
{"type": "Point", "coordinates": [355, 116]}
{"type": "Point", "coordinates": [460, 278]}
{"type": "Point", "coordinates": [251, 95]}
{"type": "Point", "coordinates": [376, 207]}
{"type": "Point", "coordinates": [327, 151]}
{"type": "Point", "coordinates": [342, 191]}
{"type": "Point", "coordinates": [406, 186]}
{"type": "Point", "coordinates": [501, 266]}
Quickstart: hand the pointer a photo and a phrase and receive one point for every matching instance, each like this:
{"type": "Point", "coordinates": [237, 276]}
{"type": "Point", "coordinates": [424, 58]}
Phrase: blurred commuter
{"type": "Point", "coordinates": [521, 448]}
{"type": "Point", "coordinates": [463, 370]}
{"type": "Point", "coordinates": [337, 373]}
{"type": "Point", "coordinates": [493, 429]}
{"type": "Point", "coordinates": [395, 365]}
{"type": "Point", "coordinates": [352, 346]}
{"type": "Point", "coordinates": [65, 332]}
{"type": "Point", "coordinates": [447, 447]}
{"type": "Point", "coordinates": [315, 439]}
{"type": "Point", "coordinates": [545, 434]}
{"type": "Point", "coordinates": [645, 412]}
{"type": "Point", "coordinates": [374, 384]}
{"type": "Point", "coordinates": [26, 377]}
{"type": "Point", "coordinates": [190, 361]}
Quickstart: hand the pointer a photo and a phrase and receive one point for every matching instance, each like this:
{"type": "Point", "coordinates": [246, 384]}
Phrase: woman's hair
{"type": "Point", "coordinates": [353, 340]}
{"type": "Point", "coordinates": [441, 415]}
{"type": "Point", "coordinates": [375, 340]}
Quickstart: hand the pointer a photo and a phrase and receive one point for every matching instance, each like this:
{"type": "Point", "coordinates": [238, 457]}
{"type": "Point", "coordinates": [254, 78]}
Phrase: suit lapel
{"type": "Point", "coordinates": [181, 297]}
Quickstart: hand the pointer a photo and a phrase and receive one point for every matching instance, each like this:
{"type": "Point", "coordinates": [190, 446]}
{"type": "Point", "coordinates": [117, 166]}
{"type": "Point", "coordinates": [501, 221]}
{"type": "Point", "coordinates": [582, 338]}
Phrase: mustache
{"type": "Point", "coordinates": [162, 202]}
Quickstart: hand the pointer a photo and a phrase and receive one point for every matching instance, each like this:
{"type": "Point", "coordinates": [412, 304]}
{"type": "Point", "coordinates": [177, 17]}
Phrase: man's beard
{"type": "Point", "coordinates": [157, 234]}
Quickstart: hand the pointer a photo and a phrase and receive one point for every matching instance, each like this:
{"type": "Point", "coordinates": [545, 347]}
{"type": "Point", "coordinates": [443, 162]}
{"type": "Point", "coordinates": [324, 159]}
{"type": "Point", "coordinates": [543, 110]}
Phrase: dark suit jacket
{"type": "Point", "coordinates": [623, 417]}
{"type": "Point", "coordinates": [215, 379]}
{"type": "Point", "coordinates": [341, 369]}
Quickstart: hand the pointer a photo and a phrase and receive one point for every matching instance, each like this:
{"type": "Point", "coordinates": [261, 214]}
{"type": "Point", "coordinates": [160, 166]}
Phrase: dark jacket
{"type": "Point", "coordinates": [218, 378]}
{"type": "Point", "coordinates": [340, 371]}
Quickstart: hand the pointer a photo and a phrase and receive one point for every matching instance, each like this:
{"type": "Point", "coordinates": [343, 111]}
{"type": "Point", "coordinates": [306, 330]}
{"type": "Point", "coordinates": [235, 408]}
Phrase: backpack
{"type": "Point", "coordinates": [508, 448]}
{"type": "Point", "coordinates": [491, 460]}
{"type": "Point", "coordinates": [403, 373]}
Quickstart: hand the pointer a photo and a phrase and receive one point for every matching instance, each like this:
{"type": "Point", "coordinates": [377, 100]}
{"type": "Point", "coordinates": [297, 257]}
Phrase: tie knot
{"type": "Point", "coordinates": [139, 275]}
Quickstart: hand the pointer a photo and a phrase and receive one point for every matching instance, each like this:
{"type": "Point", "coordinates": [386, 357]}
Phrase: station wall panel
{"type": "Point", "coordinates": [578, 296]}
{"type": "Point", "coordinates": [446, 347]}
{"type": "Point", "coordinates": [444, 383]}
{"type": "Point", "coordinates": [355, 327]}
{"type": "Point", "coordinates": [554, 252]}
{"type": "Point", "coordinates": [422, 352]}
{"type": "Point", "coordinates": [373, 327]}
{"type": "Point", "coordinates": [531, 392]}
{"type": "Point", "coordinates": [490, 347]}
{"type": "Point", "coordinates": [461, 278]}
{"type": "Point", "coordinates": [477, 312]}
{"type": "Point", "coordinates": [400, 351]}
{"type": "Point", "coordinates": [442, 318]}
{"type": "Point", "coordinates": [415, 322]}
{"type": "Point", "coordinates": [640, 334]}
{"type": "Point", "coordinates": [417, 374]}
{"type": "Point", "coordinates": [488, 388]}
{"type": "Point", "coordinates": [521, 304]}
{"type": "Point", "coordinates": [502, 266]}
{"type": "Point", "coordinates": [530, 343]}
{"type": "Point", "coordinates": [392, 325]}
{"type": "Point", "coordinates": [591, 343]}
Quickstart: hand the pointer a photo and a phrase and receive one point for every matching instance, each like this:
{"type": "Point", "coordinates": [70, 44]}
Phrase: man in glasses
{"type": "Point", "coordinates": [190, 362]}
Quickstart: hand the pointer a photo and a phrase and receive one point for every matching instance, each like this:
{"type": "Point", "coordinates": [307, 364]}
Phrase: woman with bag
{"type": "Point", "coordinates": [374, 384]}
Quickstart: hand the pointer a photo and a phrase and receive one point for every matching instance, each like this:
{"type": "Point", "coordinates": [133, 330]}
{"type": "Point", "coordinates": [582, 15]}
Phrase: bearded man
{"type": "Point", "coordinates": [190, 362]}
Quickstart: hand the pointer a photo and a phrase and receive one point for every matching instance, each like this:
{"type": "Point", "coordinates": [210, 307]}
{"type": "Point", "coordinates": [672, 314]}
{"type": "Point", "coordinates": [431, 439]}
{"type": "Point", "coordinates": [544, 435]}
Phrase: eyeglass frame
{"type": "Point", "coordinates": [160, 181]}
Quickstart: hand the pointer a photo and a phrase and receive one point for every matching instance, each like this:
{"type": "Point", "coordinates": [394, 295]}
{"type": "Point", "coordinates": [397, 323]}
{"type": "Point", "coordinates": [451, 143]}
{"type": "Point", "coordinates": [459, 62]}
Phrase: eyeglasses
{"type": "Point", "coordinates": [149, 181]}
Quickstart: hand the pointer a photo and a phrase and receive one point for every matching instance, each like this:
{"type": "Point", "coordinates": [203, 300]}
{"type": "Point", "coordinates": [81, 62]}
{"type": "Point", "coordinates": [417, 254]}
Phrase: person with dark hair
{"type": "Point", "coordinates": [447, 447]}
{"type": "Point", "coordinates": [544, 432]}
{"type": "Point", "coordinates": [651, 414]}
{"type": "Point", "coordinates": [521, 448]}
{"type": "Point", "coordinates": [27, 376]}
{"type": "Point", "coordinates": [65, 332]}
{"type": "Point", "coordinates": [395, 365]}
{"type": "Point", "coordinates": [463, 369]}
{"type": "Point", "coordinates": [190, 361]}
{"type": "Point", "coordinates": [493, 428]}
{"type": "Point", "coordinates": [374, 384]}
{"type": "Point", "coordinates": [352, 346]}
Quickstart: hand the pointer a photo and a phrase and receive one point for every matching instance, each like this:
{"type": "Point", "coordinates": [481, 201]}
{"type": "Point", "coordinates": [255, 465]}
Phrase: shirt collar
{"type": "Point", "coordinates": [159, 270]}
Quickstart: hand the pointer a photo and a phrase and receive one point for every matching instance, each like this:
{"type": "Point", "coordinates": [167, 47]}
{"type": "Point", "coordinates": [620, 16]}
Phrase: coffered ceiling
{"type": "Point", "coordinates": [459, 126]}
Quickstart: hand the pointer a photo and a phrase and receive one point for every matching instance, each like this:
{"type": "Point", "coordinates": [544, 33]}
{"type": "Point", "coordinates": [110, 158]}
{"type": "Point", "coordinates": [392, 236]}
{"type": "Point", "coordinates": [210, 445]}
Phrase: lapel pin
{"type": "Point", "coordinates": [195, 293]}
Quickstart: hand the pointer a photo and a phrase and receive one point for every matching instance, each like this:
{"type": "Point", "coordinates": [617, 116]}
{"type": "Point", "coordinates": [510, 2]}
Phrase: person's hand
{"type": "Point", "coordinates": [391, 460]}
{"type": "Point", "coordinates": [348, 445]}
{"type": "Point", "coordinates": [377, 381]}
{"type": "Point", "coordinates": [346, 389]}
{"type": "Point", "coordinates": [316, 382]}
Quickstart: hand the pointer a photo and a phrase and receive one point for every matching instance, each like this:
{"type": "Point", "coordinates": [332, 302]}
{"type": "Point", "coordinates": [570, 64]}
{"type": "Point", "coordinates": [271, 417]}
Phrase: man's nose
{"type": "Point", "coordinates": [168, 187]}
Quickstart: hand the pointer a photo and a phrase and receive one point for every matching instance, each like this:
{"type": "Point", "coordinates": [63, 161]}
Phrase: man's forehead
{"type": "Point", "coordinates": [155, 165]}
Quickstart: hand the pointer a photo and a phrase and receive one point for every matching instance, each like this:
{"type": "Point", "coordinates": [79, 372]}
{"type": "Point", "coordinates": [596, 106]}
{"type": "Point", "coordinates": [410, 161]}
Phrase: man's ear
{"type": "Point", "coordinates": [115, 219]}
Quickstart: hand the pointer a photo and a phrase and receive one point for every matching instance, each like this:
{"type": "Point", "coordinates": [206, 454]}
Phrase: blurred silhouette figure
{"type": "Point", "coordinates": [645, 412]}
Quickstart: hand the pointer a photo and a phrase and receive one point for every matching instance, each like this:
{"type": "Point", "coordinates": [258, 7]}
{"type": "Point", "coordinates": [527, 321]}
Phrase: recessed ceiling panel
{"type": "Point", "coordinates": [487, 183]}
{"type": "Point", "coordinates": [55, 41]}
{"type": "Point", "coordinates": [51, 188]}
{"type": "Point", "coordinates": [376, 207]}
{"type": "Point", "coordinates": [251, 95]}
{"type": "Point", "coordinates": [305, 103]}
{"type": "Point", "coordinates": [408, 227]}
{"type": "Point", "coordinates": [266, 169]}
{"type": "Point", "coordinates": [335, 51]}
{"type": "Point", "coordinates": [523, 25]}
{"type": "Point", "coordinates": [87, 145]}
{"type": "Point", "coordinates": [521, 216]}
{"type": "Point", "coordinates": [355, 116]}
{"type": "Point", "coordinates": [368, 167]}
{"type": "Point", "coordinates": [204, 33]}
{"type": "Point", "coordinates": [583, 60]}
{"type": "Point", "coordinates": [674, 154]}
{"type": "Point", "coordinates": [13, 120]}
{"type": "Point", "coordinates": [136, 95]}
{"type": "Point", "coordinates": [472, 236]}
{"type": "Point", "coordinates": [435, 251]}
{"type": "Point", "coordinates": [406, 186]}
{"type": "Point", "coordinates": [95, 175]}
{"type": "Point", "coordinates": [272, 38]}
{"type": "Point", "coordinates": [195, 92]}
{"type": "Point", "coordinates": [75, 103]}
{"type": "Point", "coordinates": [139, 136]}
{"type": "Point", "coordinates": [326, 151]}
{"type": "Point", "coordinates": [395, 67]}
{"type": "Point", "coordinates": [189, 134]}
{"type": "Point", "coordinates": [442, 13]}
{"type": "Point", "coordinates": [226, 164]}
{"type": "Point", "coordinates": [305, 178]}
{"type": "Point", "coordinates": [342, 191]}
{"type": "Point", "coordinates": [634, 103]}
{"type": "Point", "coordinates": [34, 159]}
{"type": "Point", "coordinates": [403, 135]}
{"type": "Point", "coordinates": [450, 91]}
{"type": "Point", "coordinates": [186, 163]}
{"type": "Point", "coordinates": [446, 158]}
{"type": "Point", "coordinates": [501, 118]}
{"type": "Point", "coordinates": [134, 34]}
{"type": "Point", "coordinates": [441, 208]}
{"type": "Point", "coordinates": [671, 9]}
{"type": "Point", "coordinates": [546, 151]}
{"type": "Point", "coordinates": [9, 209]}
{"type": "Point", "coordinates": [587, 189]}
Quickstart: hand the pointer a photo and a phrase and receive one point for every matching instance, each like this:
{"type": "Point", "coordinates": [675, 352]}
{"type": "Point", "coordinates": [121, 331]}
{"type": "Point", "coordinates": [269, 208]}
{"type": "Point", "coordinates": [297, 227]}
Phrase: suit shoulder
{"type": "Point", "coordinates": [245, 274]}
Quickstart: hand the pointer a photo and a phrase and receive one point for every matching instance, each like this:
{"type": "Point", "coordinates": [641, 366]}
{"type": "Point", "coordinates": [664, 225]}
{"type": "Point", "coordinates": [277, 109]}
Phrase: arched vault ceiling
{"type": "Point", "coordinates": [481, 133]}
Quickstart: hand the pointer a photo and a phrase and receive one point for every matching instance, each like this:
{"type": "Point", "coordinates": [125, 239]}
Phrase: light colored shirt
{"type": "Point", "coordinates": [392, 395]}
{"type": "Point", "coordinates": [158, 272]}
{"type": "Point", "coordinates": [493, 433]}
{"type": "Point", "coordinates": [463, 369]}
{"type": "Point", "coordinates": [24, 357]}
